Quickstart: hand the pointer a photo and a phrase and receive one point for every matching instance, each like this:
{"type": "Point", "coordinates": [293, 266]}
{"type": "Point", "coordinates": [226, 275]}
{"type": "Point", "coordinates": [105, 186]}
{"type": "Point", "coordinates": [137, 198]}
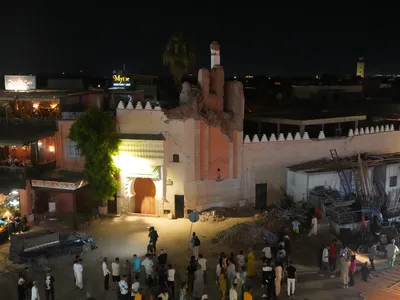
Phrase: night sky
{"type": "Point", "coordinates": [261, 40]}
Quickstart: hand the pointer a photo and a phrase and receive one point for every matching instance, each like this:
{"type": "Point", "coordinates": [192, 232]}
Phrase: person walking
{"type": "Point", "coordinates": [392, 250]}
{"type": "Point", "coordinates": [240, 260]}
{"type": "Point", "coordinates": [135, 286]}
{"type": "Point", "coordinates": [314, 226]}
{"type": "Point", "coordinates": [203, 264]}
{"type": "Point", "coordinates": [148, 265]}
{"type": "Point", "coordinates": [115, 273]}
{"type": "Point", "coordinates": [106, 273]}
{"type": "Point", "coordinates": [195, 245]}
{"type": "Point", "coordinates": [267, 253]}
{"type": "Point", "coordinates": [49, 286]}
{"type": "Point", "coordinates": [21, 286]}
{"type": "Point", "coordinates": [35, 291]}
{"type": "Point", "coordinates": [247, 294]}
{"type": "Point", "coordinates": [78, 269]}
{"type": "Point", "coordinates": [183, 291]}
{"type": "Point", "coordinates": [233, 294]}
{"type": "Point", "coordinates": [191, 269]}
{"type": "Point", "coordinates": [291, 280]}
{"type": "Point", "coordinates": [222, 283]}
{"type": "Point", "coordinates": [324, 261]}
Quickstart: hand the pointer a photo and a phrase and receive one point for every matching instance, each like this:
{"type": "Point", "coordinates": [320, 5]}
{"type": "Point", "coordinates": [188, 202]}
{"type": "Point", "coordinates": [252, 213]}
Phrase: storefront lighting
{"type": "Point", "coordinates": [35, 105]}
{"type": "Point", "coordinates": [24, 148]}
{"type": "Point", "coordinates": [40, 144]}
{"type": "Point", "coordinates": [53, 105]}
{"type": "Point", "coordinates": [51, 149]}
{"type": "Point", "coordinates": [15, 192]}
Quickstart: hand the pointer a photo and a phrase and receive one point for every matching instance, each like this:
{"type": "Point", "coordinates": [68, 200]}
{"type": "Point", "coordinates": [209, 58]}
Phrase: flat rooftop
{"type": "Point", "coordinates": [44, 94]}
{"type": "Point", "coordinates": [305, 120]}
{"type": "Point", "coordinates": [346, 163]}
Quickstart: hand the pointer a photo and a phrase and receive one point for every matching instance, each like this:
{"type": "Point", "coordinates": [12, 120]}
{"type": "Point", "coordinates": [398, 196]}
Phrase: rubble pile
{"type": "Point", "coordinates": [244, 233]}
{"type": "Point", "coordinates": [218, 214]}
{"type": "Point", "coordinates": [213, 216]}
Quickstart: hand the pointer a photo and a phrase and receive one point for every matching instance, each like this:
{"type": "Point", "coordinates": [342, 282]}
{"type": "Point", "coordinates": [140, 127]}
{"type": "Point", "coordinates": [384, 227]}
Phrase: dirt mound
{"type": "Point", "coordinates": [218, 214]}
{"type": "Point", "coordinates": [243, 233]}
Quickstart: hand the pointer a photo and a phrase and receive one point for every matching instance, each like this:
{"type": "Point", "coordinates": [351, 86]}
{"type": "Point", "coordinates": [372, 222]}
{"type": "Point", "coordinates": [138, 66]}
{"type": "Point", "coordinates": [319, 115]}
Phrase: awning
{"type": "Point", "coordinates": [60, 180]}
{"type": "Point", "coordinates": [142, 136]}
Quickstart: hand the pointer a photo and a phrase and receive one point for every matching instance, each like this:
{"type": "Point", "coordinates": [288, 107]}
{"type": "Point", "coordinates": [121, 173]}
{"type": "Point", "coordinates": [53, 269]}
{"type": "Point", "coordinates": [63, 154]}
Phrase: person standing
{"type": "Point", "coordinates": [198, 285]}
{"type": "Point", "coordinates": [247, 294]}
{"type": "Point", "coordinates": [89, 296]}
{"type": "Point", "coordinates": [240, 260]}
{"type": "Point", "coordinates": [365, 272]}
{"type": "Point", "coordinates": [21, 286]}
{"type": "Point", "coordinates": [106, 273]}
{"type": "Point", "coordinates": [75, 261]}
{"type": "Point", "coordinates": [135, 286]}
{"type": "Point", "coordinates": [332, 258]}
{"type": "Point", "coordinates": [222, 283]}
{"type": "Point", "coordinates": [78, 269]}
{"type": "Point", "coordinates": [296, 226]}
{"type": "Point", "coordinates": [344, 271]}
{"type": "Point", "coordinates": [123, 288]}
{"type": "Point", "coordinates": [267, 253]}
{"type": "Point", "coordinates": [371, 255]}
{"type": "Point", "coordinates": [139, 294]}
{"type": "Point", "coordinates": [233, 295]}
{"type": "Point", "coordinates": [291, 280]}
{"type": "Point", "coordinates": [195, 245]}
{"type": "Point", "coordinates": [392, 251]}
{"type": "Point", "coordinates": [278, 278]}
{"type": "Point", "coordinates": [136, 263]}
{"type": "Point", "coordinates": [314, 226]}
{"type": "Point", "coordinates": [352, 270]}
{"type": "Point", "coordinates": [35, 291]}
{"type": "Point", "coordinates": [183, 290]}
{"type": "Point", "coordinates": [324, 261]}
{"type": "Point", "coordinates": [49, 286]}
{"type": "Point", "coordinates": [203, 264]}
{"type": "Point", "coordinates": [115, 273]}
{"type": "Point", "coordinates": [171, 280]}
{"type": "Point", "coordinates": [231, 274]}
{"type": "Point", "coordinates": [239, 285]}
{"type": "Point", "coordinates": [191, 269]}
{"type": "Point", "coordinates": [148, 265]}
{"type": "Point", "coordinates": [250, 263]}
{"type": "Point", "coordinates": [153, 236]}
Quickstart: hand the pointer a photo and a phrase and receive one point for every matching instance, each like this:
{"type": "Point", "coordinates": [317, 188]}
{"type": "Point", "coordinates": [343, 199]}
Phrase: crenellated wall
{"type": "Point", "coordinates": [265, 160]}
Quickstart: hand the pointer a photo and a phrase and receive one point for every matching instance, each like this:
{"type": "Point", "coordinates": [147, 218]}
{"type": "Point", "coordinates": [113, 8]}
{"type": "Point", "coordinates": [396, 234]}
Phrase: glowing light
{"type": "Point", "coordinates": [36, 105]}
{"type": "Point", "coordinates": [51, 149]}
{"type": "Point", "coordinates": [15, 192]}
{"type": "Point", "coordinates": [130, 164]}
{"type": "Point", "coordinates": [53, 105]}
{"type": "Point", "coordinates": [40, 144]}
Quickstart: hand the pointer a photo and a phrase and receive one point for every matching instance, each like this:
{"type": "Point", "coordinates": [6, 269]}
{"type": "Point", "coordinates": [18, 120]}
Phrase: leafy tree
{"type": "Point", "coordinates": [97, 141]}
{"type": "Point", "coordinates": [178, 55]}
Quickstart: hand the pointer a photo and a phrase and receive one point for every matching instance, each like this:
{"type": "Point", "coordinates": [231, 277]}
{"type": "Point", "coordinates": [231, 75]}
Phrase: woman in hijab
{"type": "Point", "coordinates": [239, 286]}
{"type": "Point", "coordinates": [250, 263]}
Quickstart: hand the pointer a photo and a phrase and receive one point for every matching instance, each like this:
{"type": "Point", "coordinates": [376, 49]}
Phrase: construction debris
{"type": "Point", "coordinates": [218, 214]}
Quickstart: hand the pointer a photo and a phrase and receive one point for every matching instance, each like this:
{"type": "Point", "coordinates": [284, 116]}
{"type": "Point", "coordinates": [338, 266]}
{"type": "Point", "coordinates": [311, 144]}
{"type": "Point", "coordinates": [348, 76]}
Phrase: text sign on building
{"type": "Point", "coordinates": [19, 83]}
{"type": "Point", "coordinates": [121, 80]}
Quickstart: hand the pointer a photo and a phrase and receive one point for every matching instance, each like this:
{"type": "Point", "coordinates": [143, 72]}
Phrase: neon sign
{"type": "Point", "coordinates": [121, 80]}
{"type": "Point", "coordinates": [19, 83]}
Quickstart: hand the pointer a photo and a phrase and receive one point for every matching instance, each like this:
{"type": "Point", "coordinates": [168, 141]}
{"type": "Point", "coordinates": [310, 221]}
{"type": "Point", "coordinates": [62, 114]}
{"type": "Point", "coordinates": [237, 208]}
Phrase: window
{"type": "Point", "coordinates": [73, 151]}
{"type": "Point", "coordinates": [392, 181]}
{"type": "Point", "coordinates": [175, 158]}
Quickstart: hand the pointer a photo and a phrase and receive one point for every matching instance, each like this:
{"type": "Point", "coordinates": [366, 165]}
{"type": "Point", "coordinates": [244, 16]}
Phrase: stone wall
{"type": "Point", "coordinates": [265, 160]}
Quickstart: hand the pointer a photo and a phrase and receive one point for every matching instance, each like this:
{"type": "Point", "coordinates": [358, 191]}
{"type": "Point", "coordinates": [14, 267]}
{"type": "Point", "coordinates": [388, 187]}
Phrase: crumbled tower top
{"type": "Point", "coordinates": [214, 46]}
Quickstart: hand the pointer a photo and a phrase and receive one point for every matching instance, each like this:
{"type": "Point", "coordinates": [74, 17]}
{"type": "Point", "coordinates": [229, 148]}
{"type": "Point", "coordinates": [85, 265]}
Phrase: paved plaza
{"type": "Point", "coordinates": [122, 237]}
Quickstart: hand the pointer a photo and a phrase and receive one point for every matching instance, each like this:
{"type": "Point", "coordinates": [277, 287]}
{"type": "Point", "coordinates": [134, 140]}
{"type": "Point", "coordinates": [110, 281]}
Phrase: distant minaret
{"type": "Point", "coordinates": [360, 67]}
{"type": "Point", "coordinates": [215, 58]}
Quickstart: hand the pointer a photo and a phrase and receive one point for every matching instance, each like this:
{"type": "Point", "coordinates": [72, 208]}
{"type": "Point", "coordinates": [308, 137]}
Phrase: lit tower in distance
{"type": "Point", "coordinates": [360, 67]}
{"type": "Point", "coordinates": [215, 57]}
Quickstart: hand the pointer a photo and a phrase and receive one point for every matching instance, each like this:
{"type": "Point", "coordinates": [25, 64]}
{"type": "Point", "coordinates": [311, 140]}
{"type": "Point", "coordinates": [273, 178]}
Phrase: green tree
{"type": "Point", "coordinates": [179, 55]}
{"type": "Point", "coordinates": [97, 141]}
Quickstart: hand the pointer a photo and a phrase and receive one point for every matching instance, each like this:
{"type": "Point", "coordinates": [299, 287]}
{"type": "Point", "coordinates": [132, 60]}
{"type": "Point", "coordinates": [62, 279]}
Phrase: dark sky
{"type": "Point", "coordinates": [258, 40]}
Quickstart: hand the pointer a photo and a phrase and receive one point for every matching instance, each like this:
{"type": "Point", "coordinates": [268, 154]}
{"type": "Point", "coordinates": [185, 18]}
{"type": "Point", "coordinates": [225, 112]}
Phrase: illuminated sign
{"type": "Point", "coordinates": [19, 83]}
{"type": "Point", "coordinates": [119, 80]}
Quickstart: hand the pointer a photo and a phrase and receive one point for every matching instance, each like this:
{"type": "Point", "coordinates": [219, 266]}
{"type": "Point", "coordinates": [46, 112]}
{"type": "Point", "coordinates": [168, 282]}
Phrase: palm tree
{"type": "Point", "coordinates": [178, 55]}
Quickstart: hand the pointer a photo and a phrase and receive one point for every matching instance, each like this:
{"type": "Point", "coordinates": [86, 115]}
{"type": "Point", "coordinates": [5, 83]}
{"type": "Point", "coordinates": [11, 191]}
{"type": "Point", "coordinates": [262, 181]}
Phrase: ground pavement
{"type": "Point", "coordinates": [125, 236]}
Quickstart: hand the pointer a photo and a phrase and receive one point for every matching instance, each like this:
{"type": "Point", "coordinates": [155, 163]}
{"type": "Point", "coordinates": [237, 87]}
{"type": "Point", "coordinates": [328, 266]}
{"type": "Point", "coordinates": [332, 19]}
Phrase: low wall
{"type": "Point", "coordinates": [265, 160]}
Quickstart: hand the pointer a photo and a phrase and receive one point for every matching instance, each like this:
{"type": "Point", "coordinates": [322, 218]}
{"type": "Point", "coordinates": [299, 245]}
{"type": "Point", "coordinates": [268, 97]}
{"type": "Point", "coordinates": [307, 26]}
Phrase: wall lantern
{"type": "Point", "coordinates": [169, 182]}
{"type": "Point", "coordinates": [51, 149]}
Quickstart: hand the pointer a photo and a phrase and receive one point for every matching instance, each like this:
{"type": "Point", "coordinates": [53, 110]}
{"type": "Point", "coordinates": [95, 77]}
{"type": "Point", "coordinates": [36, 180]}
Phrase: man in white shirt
{"type": "Point", "coordinates": [391, 251]}
{"type": "Point", "coordinates": [171, 280]}
{"type": "Point", "coordinates": [203, 264]}
{"type": "Point", "coordinates": [135, 286]}
{"type": "Point", "coordinates": [106, 273]}
{"type": "Point", "coordinates": [115, 273]}
{"type": "Point", "coordinates": [267, 253]}
{"type": "Point", "coordinates": [35, 291]}
{"type": "Point", "coordinates": [314, 226]}
{"type": "Point", "coordinates": [123, 288]}
{"type": "Point", "coordinates": [325, 260]}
